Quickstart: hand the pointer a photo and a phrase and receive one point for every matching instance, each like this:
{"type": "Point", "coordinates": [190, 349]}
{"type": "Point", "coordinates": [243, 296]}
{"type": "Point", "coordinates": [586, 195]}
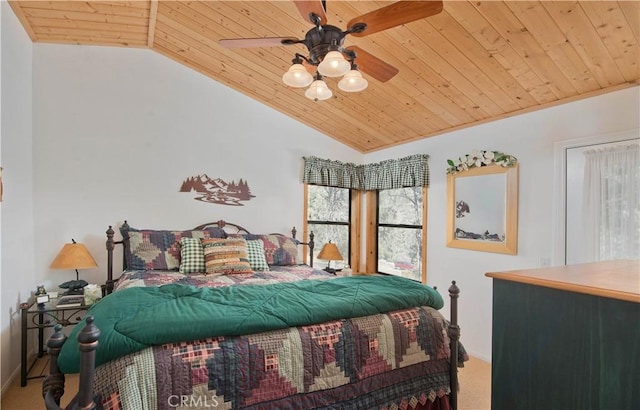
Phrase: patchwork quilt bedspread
{"type": "Point", "coordinates": [395, 358]}
{"type": "Point", "coordinates": [385, 361]}
{"type": "Point", "coordinates": [276, 274]}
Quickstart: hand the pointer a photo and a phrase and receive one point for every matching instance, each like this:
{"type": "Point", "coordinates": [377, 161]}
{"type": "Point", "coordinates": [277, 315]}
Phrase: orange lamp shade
{"type": "Point", "coordinates": [74, 256]}
{"type": "Point", "coordinates": [330, 252]}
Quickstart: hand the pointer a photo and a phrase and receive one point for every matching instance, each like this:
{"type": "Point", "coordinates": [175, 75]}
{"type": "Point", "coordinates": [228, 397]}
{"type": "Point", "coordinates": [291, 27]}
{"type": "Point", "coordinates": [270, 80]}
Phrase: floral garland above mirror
{"type": "Point", "coordinates": [480, 159]}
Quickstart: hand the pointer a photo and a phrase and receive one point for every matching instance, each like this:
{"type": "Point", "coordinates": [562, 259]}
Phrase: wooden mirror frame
{"type": "Point", "coordinates": [510, 244]}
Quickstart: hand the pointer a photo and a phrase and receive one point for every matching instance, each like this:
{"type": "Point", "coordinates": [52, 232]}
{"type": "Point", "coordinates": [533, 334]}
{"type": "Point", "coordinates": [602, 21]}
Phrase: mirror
{"type": "Point", "coordinates": [482, 209]}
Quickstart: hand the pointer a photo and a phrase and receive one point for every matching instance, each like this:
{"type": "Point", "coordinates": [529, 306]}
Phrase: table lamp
{"type": "Point", "coordinates": [74, 256]}
{"type": "Point", "coordinates": [330, 253]}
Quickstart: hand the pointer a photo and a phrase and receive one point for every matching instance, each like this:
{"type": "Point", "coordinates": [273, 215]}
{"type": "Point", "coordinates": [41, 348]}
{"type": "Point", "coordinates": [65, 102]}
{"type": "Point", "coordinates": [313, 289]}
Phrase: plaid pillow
{"type": "Point", "coordinates": [226, 256]}
{"type": "Point", "coordinates": [255, 249]}
{"type": "Point", "coordinates": [191, 256]}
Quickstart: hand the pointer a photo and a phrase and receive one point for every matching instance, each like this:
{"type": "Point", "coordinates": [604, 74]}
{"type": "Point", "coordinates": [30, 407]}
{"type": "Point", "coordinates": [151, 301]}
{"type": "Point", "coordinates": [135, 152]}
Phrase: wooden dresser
{"type": "Point", "coordinates": [567, 337]}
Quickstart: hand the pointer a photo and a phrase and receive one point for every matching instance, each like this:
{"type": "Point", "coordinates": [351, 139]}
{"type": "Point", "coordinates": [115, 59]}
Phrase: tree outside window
{"type": "Point", "coordinates": [400, 237]}
{"type": "Point", "coordinates": [328, 216]}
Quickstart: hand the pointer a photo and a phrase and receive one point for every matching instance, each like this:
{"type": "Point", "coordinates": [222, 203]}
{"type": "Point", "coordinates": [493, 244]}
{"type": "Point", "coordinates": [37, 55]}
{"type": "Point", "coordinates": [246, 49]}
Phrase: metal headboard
{"type": "Point", "coordinates": [111, 244]}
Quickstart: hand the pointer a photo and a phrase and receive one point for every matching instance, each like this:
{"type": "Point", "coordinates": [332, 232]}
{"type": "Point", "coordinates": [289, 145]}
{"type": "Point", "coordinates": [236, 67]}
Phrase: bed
{"type": "Point", "coordinates": [219, 318]}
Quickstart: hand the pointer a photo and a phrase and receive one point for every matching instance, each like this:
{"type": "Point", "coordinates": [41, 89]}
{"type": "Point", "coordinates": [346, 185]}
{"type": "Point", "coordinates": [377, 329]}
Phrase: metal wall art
{"type": "Point", "coordinates": [217, 191]}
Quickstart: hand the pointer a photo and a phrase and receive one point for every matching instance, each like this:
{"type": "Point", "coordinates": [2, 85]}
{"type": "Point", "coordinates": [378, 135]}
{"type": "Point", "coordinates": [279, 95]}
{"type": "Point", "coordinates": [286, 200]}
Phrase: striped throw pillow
{"type": "Point", "coordinates": [226, 256]}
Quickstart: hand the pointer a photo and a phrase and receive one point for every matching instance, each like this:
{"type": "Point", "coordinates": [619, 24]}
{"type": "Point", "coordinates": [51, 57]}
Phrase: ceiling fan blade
{"type": "Point", "coordinates": [395, 14]}
{"type": "Point", "coordinates": [307, 7]}
{"type": "Point", "coordinates": [372, 65]}
{"type": "Point", "coordinates": [257, 42]}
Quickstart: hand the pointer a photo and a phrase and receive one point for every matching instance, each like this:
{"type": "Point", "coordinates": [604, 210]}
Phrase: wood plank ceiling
{"type": "Point", "coordinates": [474, 62]}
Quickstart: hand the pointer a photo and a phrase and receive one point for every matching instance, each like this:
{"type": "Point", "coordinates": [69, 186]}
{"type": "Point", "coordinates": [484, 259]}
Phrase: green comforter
{"type": "Point", "coordinates": [135, 318]}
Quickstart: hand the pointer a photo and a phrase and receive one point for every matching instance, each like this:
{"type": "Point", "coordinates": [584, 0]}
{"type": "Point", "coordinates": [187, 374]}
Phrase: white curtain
{"type": "Point", "coordinates": [612, 203]}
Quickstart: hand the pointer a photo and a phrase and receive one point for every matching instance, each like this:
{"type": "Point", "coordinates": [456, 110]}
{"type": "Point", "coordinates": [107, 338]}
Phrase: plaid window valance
{"type": "Point", "coordinates": [411, 171]}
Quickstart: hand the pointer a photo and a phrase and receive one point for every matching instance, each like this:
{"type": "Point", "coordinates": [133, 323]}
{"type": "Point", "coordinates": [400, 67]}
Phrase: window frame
{"type": "Point", "coordinates": [372, 199]}
{"type": "Point", "coordinates": [353, 245]}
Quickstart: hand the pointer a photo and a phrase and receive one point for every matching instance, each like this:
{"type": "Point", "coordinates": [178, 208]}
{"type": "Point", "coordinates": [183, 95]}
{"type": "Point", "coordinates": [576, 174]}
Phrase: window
{"type": "Point", "coordinates": [400, 231]}
{"type": "Point", "coordinates": [611, 208]}
{"type": "Point", "coordinates": [328, 217]}
{"type": "Point", "coordinates": [570, 237]}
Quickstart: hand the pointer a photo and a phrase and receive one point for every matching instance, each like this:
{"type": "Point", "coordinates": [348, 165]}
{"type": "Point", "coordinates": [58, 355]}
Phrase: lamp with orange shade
{"type": "Point", "coordinates": [74, 256]}
{"type": "Point", "coordinates": [330, 253]}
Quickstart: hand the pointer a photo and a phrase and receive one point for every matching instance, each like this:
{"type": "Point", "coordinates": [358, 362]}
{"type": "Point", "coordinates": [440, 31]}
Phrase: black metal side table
{"type": "Point", "coordinates": [42, 316]}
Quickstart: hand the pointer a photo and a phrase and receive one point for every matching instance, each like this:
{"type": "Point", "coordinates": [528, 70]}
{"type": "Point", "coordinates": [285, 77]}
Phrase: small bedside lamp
{"type": "Point", "coordinates": [330, 253]}
{"type": "Point", "coordinates": [74, 256]}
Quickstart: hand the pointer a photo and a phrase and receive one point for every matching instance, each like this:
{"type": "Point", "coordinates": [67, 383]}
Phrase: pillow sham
{"type": "Point", "coordinates": [159, 249]}
{"type": "Point", "coordinates": [191, 256]}
{"type": "Point", "coordinates": [226, 256]}
{"type": "Point", "coordinates": [257, 260]}
{"type": "Point", "coordinates": [279, 250]}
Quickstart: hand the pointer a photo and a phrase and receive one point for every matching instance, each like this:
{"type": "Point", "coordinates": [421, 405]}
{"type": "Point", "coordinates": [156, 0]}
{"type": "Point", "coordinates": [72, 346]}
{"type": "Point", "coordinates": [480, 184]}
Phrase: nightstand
{"type": "Point", "coordinates": [40, 317]}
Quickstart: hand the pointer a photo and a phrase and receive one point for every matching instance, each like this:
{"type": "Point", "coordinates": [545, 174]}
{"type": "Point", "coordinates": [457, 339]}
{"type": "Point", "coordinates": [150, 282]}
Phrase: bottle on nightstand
{"type": "Point", "coordinates": [346, 271]}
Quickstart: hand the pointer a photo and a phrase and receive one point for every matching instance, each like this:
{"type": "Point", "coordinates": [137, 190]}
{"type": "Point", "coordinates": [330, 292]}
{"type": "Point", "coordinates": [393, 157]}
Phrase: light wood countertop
{"type": "Point", "coordinates": [612, 279]}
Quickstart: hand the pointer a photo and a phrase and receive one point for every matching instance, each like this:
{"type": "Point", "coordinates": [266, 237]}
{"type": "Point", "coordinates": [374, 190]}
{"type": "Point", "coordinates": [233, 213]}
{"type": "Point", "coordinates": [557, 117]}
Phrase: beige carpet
{"type": "Point", "coordinates": [29, 397]}
{"type": "Point", "coordinates": [475, 385]}
{"type": "Point", "coordinates": [475, 388]}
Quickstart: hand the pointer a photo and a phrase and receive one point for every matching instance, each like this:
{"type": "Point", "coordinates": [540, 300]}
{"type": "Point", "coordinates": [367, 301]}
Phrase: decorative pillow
{"type": "Point", "coordinates": [159, 250]}
{"type": "Point", "coordinates": [191, 256]}
{"type": "Point", "coordinates": [257, 260]}
{"type": "Point", "coordinates": [279, 250]}
{"type": "Point", "coordinates": [226, 256]}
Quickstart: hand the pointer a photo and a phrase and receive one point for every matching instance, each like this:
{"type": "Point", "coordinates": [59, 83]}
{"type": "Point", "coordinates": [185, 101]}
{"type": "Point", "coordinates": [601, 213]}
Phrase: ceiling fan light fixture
{"type": "Point", "coordinates": [297, 76]}
{"type": "Point", "coordinates": [334, 65]}
{"type": "Point", "coordinates": [353, 82]}
{"type": "Point", "coordinates": [318, 91]}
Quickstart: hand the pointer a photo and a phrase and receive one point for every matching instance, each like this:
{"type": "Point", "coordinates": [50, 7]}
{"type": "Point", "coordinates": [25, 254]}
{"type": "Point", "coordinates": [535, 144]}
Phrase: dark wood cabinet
{"type": "Point", "coordinates": [567, 337]}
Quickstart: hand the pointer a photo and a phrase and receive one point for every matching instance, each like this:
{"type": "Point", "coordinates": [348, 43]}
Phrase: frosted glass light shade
{"type": "Point", "coordinates": [334, 65]}
{"type": "Point", "coordinates": [297, 76]}
{"type": "Point", "coordinates": [353, 82]}
{"type": "Point", "coordinates": [318, 91]}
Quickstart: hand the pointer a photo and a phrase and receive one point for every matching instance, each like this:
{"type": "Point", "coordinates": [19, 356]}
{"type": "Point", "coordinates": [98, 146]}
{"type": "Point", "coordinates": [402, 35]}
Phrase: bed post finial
{"type": "Point", "coordinates": [110, 243]}
{"type": "Point", "coordinates": [454, 337]}
{"type": "Point", "coordinates": [53, 384]}
{"type": "Point", "coordinates": [110, 246]}
{"type": "Point", "coordinates": [88, 343]}
{"type": "Point", "coordinates": [311, 244]}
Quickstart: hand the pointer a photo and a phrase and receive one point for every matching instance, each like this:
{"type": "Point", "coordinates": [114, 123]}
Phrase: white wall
{"type": "Point", "coordinates": [17, 265]}
{"type": "Point", "coordinates": [115, 132]}
{"type": "Point", "coordinates": [530, 138]}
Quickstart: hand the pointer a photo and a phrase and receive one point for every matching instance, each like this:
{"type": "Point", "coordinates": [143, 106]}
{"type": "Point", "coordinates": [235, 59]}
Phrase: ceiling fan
{"type": "Point", "coordinates": [325, 44]}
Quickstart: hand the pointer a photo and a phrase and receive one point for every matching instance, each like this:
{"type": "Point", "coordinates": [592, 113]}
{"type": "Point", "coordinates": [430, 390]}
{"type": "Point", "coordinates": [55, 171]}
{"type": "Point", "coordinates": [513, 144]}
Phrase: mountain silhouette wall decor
{"type": "Point", "coordinates": [217, 191]}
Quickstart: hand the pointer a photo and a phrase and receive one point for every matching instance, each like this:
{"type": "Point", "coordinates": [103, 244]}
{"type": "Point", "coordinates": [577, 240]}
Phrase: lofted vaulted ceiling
{"type": "Point", "coordinates": [474, 62]}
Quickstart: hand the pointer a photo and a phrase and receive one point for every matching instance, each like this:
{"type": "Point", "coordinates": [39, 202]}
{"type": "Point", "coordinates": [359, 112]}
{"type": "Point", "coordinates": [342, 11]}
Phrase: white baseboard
{"type": "Point", "coordinates": [480, 356]}
{"type": "Point", "coordinates": [16, 373]}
